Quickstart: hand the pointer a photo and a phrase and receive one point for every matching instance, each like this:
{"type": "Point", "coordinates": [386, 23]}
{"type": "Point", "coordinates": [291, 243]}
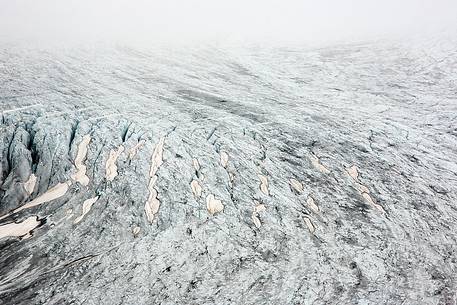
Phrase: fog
{"type": "Point", "coordinates": [286, 21]}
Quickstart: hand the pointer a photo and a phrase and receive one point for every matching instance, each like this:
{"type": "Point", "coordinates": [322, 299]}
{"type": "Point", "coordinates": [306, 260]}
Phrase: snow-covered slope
{"type": "Point", "coordinates": [229, 176]}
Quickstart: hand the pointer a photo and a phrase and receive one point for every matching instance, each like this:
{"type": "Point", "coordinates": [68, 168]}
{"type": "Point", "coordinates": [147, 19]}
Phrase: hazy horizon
{"type": "Point", "coordinates": [275, 22]}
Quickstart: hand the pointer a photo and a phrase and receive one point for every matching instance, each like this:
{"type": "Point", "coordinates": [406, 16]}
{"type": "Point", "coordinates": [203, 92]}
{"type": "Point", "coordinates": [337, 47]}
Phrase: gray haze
{"type": "Point", "coordinates": [235, 20]}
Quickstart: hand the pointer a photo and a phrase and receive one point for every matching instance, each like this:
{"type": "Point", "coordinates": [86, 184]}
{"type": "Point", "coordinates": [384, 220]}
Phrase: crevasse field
{"type": "Point", "coordinates": [219, 175]}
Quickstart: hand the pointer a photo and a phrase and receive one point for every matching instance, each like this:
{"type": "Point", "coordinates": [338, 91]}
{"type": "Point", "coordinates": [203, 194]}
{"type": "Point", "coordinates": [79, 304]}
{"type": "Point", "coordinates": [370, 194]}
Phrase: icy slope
{"type": "Point", "coordinates": [229, 176]}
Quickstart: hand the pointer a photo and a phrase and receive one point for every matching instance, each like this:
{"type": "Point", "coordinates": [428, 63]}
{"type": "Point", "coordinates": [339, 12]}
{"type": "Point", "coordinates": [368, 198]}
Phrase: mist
{"type": "Point", "coordinates": [291, 21]}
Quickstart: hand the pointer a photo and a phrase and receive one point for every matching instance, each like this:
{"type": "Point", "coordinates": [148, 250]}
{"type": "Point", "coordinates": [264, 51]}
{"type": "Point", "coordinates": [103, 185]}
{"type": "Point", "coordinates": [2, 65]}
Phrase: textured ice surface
{"type": "Point", "coordinates": [229, 176]}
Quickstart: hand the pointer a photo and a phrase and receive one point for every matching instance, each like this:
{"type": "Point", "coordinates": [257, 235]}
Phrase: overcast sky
{"type": "Point", "coordinates": [276, 21]}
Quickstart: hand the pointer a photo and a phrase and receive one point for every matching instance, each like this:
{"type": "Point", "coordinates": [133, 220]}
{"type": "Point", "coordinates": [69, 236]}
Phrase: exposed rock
{"type": "Point", "coordinates": [255, 214]}
{"type": "Point", "coordinates": [136, 230]}
{"type": "Point", "coordinates": [87, 205]}
{"type": "Point", "coordinates": [134, 150]}
{"type": "Point", "coordinates": [213, 205]}
{"type": "Point", "coordinates": [196, 188]}
{"type": "Point", "coordinates": [80, 176]}
{"type": "Point", "coordinates": [153, 203]}
{"type": "Point", "coordinates": [52, 194]}
{"type": "Point", "coordinates": [312, 204]}
{"type": "Point", "coordinates": [317, 164]}
{"type": "Point", "coordinates": [111, 166]}
{"type": "Point", "coordinates": [19, 229]}
{"type": "Point", "coordinates": [264, 184]}
{"type": "Point", "coordinates": [196, 165]}
{"type": "Point", "coordinates": [224, 159]}
{"type": "Point", "coordinates": [296, 185]}
{"type": "Point", "coordinates": [29, 185]}
{"type": "Point", "coordinates": [309, 224]}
